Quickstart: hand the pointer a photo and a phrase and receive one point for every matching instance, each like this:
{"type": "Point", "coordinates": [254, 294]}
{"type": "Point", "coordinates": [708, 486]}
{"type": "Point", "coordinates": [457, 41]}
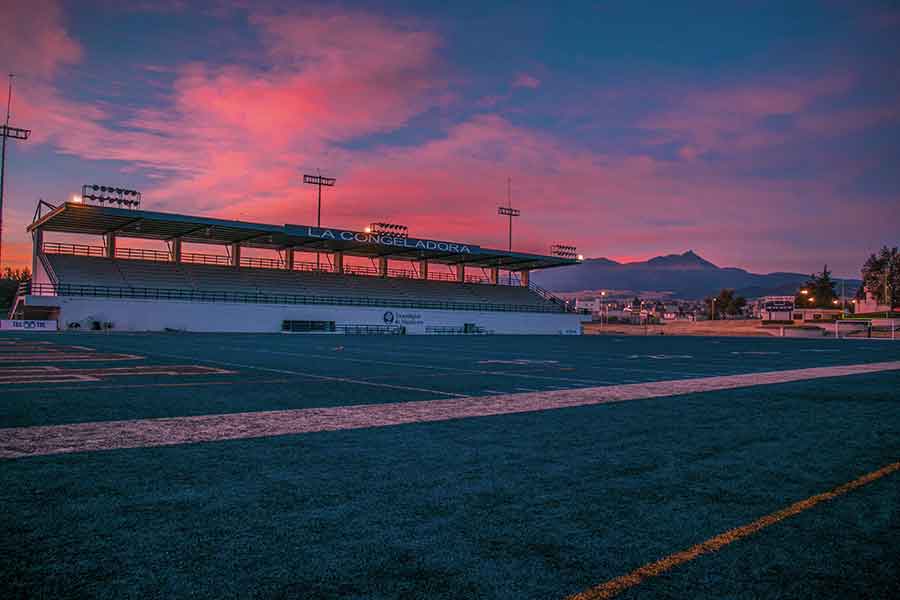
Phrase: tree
{"type": "Point", "coordinates": [817, 292]}
{"type": "Point", "coordinates": [726, 303]}
{"type": "Point", "coordinates": [881, 276]}
{"type": "Point", "coordinates": [9, 283]}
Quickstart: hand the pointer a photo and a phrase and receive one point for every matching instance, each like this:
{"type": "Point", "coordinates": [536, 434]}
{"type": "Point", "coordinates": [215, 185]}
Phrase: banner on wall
{"type": "Point", "coordinates": [27, 325]}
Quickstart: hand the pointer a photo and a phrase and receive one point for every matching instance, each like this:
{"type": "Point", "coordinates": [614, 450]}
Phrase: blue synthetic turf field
{"type": "Point", "coordinates": [534, 505]}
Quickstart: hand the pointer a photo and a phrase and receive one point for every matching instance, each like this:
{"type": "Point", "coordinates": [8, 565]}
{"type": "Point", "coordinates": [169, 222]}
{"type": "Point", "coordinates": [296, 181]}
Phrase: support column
{"type": "Point", "coordinates": [524, 278]}
{"type": "Point", "coordinates": [338, 262]}
{"type": "Point", "coordinates": [382, 266]}
{"type": "Point", "coordinates": [37, 240]}
{"type": "Point", "coordinates": [235, 255]}
{"type": "Point", "coordinates": [289, 259]}
{"type": "Point", "coordinates": [495, 275]}
{"type": "Point", "coordinates": [423, 268]}
{"type": "Point", "coordinates": [461, 273]}
{"type": "Point", "coordinates": [110, 243]}
{"type": "Point", "coordinates": [176, 250]}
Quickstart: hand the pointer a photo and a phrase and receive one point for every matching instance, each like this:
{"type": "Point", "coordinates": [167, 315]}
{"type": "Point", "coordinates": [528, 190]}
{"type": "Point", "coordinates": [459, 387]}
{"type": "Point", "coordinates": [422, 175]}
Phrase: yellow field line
{"type": "Point", "coordinates": [618, 585]}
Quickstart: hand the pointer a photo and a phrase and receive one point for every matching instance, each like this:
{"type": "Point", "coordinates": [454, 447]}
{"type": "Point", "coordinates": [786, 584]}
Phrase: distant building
{"type": "Point", "coordinates": [816, 314]}
{"type": "Point", "coordinates": [868, 304]}
{"type": "Point", "coordinates": [775, 308]}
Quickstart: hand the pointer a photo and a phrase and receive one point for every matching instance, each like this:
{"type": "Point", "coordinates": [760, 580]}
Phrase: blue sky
{"type": "Point", "coordinates": [761, 135]}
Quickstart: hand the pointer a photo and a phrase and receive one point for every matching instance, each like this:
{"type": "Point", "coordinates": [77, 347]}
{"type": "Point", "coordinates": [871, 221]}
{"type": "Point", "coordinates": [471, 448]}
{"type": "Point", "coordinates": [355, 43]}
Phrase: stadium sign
{"type": "Point", "coordinates": [779, 305]}
{"type": "Point", "coordinates": [387, 239]}
{"type": "Point", "coordinates": [27, 325]}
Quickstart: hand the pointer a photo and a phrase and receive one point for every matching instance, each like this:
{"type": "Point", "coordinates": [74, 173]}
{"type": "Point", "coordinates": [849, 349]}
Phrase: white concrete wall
{"type": "Point", "coordinates": [156, 315]}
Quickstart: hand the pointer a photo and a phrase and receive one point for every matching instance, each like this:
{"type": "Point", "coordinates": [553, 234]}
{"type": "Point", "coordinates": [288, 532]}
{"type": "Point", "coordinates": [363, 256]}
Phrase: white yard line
{"type": "Point", "coordinates": [314, 376]}
{"type": "Point", "coordinates": [434, 367]}
{"type": "Point", "coordinates": [17, 442]}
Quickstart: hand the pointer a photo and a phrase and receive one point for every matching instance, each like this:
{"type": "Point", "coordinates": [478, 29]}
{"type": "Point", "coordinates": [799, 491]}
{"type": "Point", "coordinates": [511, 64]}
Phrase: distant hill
{"type": "Point", "coordinates": [685, 276]}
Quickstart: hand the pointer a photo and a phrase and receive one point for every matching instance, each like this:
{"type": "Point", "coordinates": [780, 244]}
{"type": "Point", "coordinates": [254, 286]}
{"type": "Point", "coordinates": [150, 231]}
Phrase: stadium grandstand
{"type": "Point", "coordinates": [354, 281]}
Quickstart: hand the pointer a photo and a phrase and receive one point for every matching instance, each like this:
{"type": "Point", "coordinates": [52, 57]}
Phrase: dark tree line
{"type": "Point", "coordinates": [881, 276]}
{"type": "Point", "coordinates": [9, 283]}
{"type": "Point", "coordinates": [726, 303]}
{"type": "Point", "coordinates": [818, 292]}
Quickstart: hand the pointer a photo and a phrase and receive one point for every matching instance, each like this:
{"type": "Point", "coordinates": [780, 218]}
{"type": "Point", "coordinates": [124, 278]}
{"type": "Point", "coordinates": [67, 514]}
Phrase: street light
{"type": "Point", "coordinates": [602, 306]}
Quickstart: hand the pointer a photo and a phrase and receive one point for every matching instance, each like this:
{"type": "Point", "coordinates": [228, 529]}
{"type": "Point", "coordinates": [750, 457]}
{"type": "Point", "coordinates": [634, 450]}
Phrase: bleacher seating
{"type": "Point", "coordinates": [127, 273]}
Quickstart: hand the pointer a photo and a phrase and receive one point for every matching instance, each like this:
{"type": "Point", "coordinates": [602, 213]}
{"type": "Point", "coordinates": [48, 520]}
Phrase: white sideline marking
{"type": "Point", "coordinates": [17, 442]}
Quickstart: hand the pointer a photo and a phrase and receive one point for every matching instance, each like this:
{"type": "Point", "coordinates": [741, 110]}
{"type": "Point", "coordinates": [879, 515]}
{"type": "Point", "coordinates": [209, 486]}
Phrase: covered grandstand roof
{"type": "Point", "coordinates": [90, 219]}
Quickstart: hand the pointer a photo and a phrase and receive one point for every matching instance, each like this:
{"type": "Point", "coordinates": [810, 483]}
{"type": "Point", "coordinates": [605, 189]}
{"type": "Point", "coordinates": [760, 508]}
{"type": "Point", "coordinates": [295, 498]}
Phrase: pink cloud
{"type": "Point", "coordinates": [730, 119]}
{"type": "Point", "coordinates": [35, 44]}
{"type": "Point", "coordinates": [233, 141]}
{"type": "Point", "coordinates": [526, 81]}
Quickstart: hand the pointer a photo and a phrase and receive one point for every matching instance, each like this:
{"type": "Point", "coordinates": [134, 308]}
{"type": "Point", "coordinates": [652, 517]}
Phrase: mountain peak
{"type": "Point", "coordinates": [685, 260]}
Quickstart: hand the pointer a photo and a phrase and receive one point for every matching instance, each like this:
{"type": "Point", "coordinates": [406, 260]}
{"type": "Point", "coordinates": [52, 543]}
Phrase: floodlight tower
{"type": "Point", "coordinates": [7, 132]}
{"type": "Point", "coordinates": [510, 212]}
{"type": "Point", "coordinates": [391, 229]}
{"type": "Point", "coordinates": [319, 181]}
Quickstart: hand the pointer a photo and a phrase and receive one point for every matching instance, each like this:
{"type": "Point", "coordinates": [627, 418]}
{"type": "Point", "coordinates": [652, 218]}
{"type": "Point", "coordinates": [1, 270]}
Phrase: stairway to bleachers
{"type": "Point", "coordinates": [126, 273]}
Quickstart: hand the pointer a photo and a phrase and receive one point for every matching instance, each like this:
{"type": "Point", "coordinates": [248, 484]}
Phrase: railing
{"type": "Point", "coordinates": [75, 249]}
{"type": "Point", "coordinates": [261, 263]}
{"type": "Point", "coordinates": [143, 254]}
{"type": "Point", "coordinates": [100, 251]}
{"type": "Point", "coordinates": [142, 293]}
{"type": "Point", "coordinates": [449, 330]}
{"type": "Point", "coordinates": [196, 258]}
{"type": "Point", "coordinates": [352, 329]}
{"type": "Point", "coordinates": [274, 263]}
{"type": "Point", "coordinates": [568, 307]}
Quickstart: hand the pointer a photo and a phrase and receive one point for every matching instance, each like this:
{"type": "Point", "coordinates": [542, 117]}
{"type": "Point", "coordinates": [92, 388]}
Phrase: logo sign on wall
{"type": "Point", "coordinates": [388, 317]}
{"type": "Point", "coordinates": [27, 325]}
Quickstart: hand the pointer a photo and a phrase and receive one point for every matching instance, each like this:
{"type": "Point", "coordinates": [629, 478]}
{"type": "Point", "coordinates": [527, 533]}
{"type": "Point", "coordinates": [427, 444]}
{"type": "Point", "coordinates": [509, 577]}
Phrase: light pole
{"type": "Point", "coordinates": [602, 307]}
{"type": "Point", "coordinates": [319, 181]}
{"type": "Point", "coordinates": [16, 134]}
{"type": "Point", "coordinates": [510, 212]}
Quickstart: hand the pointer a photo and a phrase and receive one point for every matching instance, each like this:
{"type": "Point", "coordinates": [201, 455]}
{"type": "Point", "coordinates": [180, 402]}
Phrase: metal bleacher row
{"type": "Point", "coordinates": [71, 270]}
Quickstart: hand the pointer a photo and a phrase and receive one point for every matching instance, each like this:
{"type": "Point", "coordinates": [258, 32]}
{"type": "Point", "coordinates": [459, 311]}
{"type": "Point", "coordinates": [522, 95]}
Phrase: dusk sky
{"type": "Point", "coordinates": [759, 135]}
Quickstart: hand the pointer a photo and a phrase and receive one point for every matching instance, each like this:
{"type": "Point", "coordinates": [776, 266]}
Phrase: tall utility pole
{"type": "Point", "coordinates": [319, 181]}
{"type": "Point", "coordinates": [7, 132]}
{"type": "Point", "coordinates": [511, 212]}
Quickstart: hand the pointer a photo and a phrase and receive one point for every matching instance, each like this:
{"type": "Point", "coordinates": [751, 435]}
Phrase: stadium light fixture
{"type": "Point", "coordinates": [14, 133]}
{"type": "Point", "coordinates": [106, 194]}
{"type": "Point", "coordinates": [564, 251]}
{"type": "Point", "coordinates": [392, 229]}
{"type": "Point", "coordinates": [319, 182]}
